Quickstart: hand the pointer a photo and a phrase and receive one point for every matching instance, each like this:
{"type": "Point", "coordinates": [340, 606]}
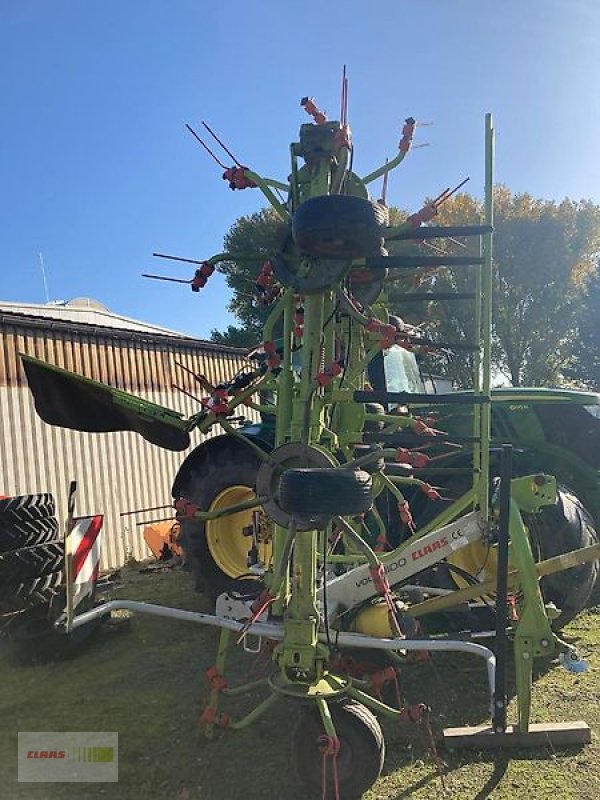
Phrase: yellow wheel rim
{"type": "Point", "coordinates": [225, 539]}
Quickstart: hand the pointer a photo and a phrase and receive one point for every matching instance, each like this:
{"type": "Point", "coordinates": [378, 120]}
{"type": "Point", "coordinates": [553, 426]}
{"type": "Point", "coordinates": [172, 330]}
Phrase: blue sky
{"type": "Point", "coordinates": [97, 170]}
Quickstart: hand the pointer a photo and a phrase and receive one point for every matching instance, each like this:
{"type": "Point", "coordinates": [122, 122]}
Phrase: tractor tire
{"type": "Point", "coordinates": [27, 507]}
{"type": "Point", "coordinates": [339, 226]}
{"type": "Point", "coordinates": [330, 492]}
{"type": "Point", "coordinates": [361, 754]}
{"type": "Point", "coordinates": [31, 592]}
{"type": "Point", "coordinates": [33, 638]}
{"type": "Point", "coordinates": [27, 520]}
{"type": "Point", "coordinates": [19, 566]}
{"type": "Point", "coordinates": [28, 534]}
{"type": "Point", "coordinates": [558, 529]}
{"type": "Point", "coordinates": [216, 550]}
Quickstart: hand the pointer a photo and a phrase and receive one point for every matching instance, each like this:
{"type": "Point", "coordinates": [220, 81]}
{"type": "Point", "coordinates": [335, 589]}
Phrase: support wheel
{"type": "Point", "coordinates": [361, 754]}
{"type": "Point", "coordinates": [327, 492]}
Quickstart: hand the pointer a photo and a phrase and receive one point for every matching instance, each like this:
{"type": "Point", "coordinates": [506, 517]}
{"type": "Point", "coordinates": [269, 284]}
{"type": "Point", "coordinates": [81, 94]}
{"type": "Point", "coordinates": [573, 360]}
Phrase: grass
{"type": "Point", "coordinates": [145, 680]}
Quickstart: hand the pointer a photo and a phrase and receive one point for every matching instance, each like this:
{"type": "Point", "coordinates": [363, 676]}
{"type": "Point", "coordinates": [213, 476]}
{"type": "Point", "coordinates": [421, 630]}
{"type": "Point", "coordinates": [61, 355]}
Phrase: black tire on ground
{"type": "Point", "coordinates": [558, 529]}
{"type": "Point", "coordinates": [220, 468]}
{"type": "Point", "coordinates": [22, 533]}
{"type": "Point", "coordinates": [339, 226]}
{"type": "Point", "coordinates": [19, 566]}
{"type": "Point", "coordinates": [361, 754]}
{"type": "Point", "coordinates": [26, 507]}
{"type": "Point", "coordinates": [33, 637]}
{"type": "Point", "coordinates": [30, 593]}
{"type": "Point", "coordinates": [325, 491]}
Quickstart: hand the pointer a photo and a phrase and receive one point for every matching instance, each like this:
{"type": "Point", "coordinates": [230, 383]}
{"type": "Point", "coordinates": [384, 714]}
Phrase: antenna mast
{"type": "Point", "coordinates": [43, 269]}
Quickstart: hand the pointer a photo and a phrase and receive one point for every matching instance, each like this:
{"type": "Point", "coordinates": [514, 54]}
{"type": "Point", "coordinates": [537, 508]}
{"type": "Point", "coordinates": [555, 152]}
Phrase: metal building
{"type": "Point", "coordinates": [116, 472]}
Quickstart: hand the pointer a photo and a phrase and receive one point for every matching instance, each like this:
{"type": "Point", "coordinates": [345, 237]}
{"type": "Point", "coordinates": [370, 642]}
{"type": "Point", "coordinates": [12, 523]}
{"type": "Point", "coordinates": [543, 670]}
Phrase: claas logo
{"type": "Point", "coordinates": [46, 754]}
{"type": "Point", "coordinates": [89, 755]}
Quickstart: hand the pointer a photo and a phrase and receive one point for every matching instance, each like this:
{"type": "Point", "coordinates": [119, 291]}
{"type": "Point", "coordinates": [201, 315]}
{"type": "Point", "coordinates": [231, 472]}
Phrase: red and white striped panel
{"type": "Point", "coordinates": [84, 545]}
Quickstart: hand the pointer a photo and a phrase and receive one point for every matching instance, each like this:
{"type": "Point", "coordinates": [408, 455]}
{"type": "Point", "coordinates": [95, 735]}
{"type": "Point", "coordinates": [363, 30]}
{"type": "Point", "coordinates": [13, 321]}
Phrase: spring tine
{"type": "Point", "coordinates": [204, 145]}
{"type": "Point", "coordinates": [216, 138]}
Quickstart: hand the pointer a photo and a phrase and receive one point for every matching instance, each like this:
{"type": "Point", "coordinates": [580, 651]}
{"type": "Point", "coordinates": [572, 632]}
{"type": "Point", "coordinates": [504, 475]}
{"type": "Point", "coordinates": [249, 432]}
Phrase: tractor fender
{"type": "Point", "coordinates": [193, 461]}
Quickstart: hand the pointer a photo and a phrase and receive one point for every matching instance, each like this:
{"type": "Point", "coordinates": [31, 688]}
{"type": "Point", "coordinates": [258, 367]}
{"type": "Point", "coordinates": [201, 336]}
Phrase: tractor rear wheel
{"type": "Point", "coordinates": [361, 753]}
{"type": "Point", "coordinates": [558, 529]}
{"type": "Point", "coordinates": [218, 550]}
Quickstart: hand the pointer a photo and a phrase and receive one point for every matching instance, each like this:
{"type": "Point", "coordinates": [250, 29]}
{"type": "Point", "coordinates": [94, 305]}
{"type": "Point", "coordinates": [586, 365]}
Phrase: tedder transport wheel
{"type": "Point", "coordinates": [218, 549]}
{"type": "Point", "coordinates": [339, 226]}
{"type": "Point", "coordinates": [325, 491]}
{"type": "Point", "coordinates": [360, 758]}
{"type": "Point", "coordinates": [558, 529]}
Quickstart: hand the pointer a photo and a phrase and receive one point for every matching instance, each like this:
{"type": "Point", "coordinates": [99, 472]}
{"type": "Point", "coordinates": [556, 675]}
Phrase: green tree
{"type": "Point", "coordinates": [253, 239]}
{"type": "Point", "coordinates": [544, 259]}
{"type": "Point", "coordinates": [586, 362]}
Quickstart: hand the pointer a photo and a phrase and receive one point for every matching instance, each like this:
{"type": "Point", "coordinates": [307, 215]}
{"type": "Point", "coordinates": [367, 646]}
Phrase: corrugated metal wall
{"type": "Point", "coordinates": [116, 472]}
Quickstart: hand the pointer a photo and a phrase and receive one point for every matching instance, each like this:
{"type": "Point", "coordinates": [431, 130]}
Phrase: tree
{"type": "Point", "coordinates": [544, 259]}
{"type": "Point", "coordinates": [586, 364]}
{"type": "Point", "coordinates": [253, 239]}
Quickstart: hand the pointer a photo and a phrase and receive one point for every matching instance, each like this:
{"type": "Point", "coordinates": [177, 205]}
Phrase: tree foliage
{"type": "Point", "coordinates": [252, 239]}
{"type": "Point", "coordinates": [585, 367]}
{"type": "Point", "coordinates": [545, 255]}
{"type": "Point", "coordinates": [545, 260]}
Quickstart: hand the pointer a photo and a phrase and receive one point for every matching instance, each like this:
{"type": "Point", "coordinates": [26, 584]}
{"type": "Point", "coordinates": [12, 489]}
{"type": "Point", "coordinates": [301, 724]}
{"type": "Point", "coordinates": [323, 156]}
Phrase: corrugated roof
{"type": "Point", "coordinates": [85, 314]}
{"type": "Point", "coordinates": [86, 310]}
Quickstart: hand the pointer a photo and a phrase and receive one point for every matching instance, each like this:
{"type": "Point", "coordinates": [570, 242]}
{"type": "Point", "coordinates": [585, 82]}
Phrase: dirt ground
{"type": "Point", "coordinates": [145, 679]}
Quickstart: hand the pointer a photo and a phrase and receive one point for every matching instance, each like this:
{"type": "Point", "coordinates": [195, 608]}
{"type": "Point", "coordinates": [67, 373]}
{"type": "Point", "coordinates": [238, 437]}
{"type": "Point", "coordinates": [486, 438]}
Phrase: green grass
{"type": "Point", "coordinates": [145, 680]}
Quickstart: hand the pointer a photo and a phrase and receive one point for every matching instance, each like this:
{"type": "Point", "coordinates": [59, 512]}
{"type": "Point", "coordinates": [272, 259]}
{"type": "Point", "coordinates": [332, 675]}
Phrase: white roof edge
{"type": "Point", "coordinates": [87, 315]}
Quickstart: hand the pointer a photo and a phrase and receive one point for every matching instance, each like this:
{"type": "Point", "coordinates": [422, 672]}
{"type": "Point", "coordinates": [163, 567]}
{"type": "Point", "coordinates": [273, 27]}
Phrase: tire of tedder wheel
{"type": "Point", "coordinates": [361, 756]}
{"type": "Point", "coordinates": [339, 226]}
{"type": "Point", "coordinates": [333, 492]}
{"type": "Point", "coordinates": [221, 468]}
{"type": "Point", "coordinates": [558, 529]}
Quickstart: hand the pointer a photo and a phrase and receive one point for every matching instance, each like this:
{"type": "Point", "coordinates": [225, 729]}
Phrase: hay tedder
{"type": "Point", "coordinates": [323, 533]}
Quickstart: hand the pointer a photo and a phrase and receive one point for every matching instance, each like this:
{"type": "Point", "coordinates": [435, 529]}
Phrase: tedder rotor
{"type": "Point", "coordinates": [307, 537]}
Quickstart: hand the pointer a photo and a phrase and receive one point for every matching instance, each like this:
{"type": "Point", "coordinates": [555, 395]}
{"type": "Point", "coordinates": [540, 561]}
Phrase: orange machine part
{"type": "Point", "coordinates": [162, 538]}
